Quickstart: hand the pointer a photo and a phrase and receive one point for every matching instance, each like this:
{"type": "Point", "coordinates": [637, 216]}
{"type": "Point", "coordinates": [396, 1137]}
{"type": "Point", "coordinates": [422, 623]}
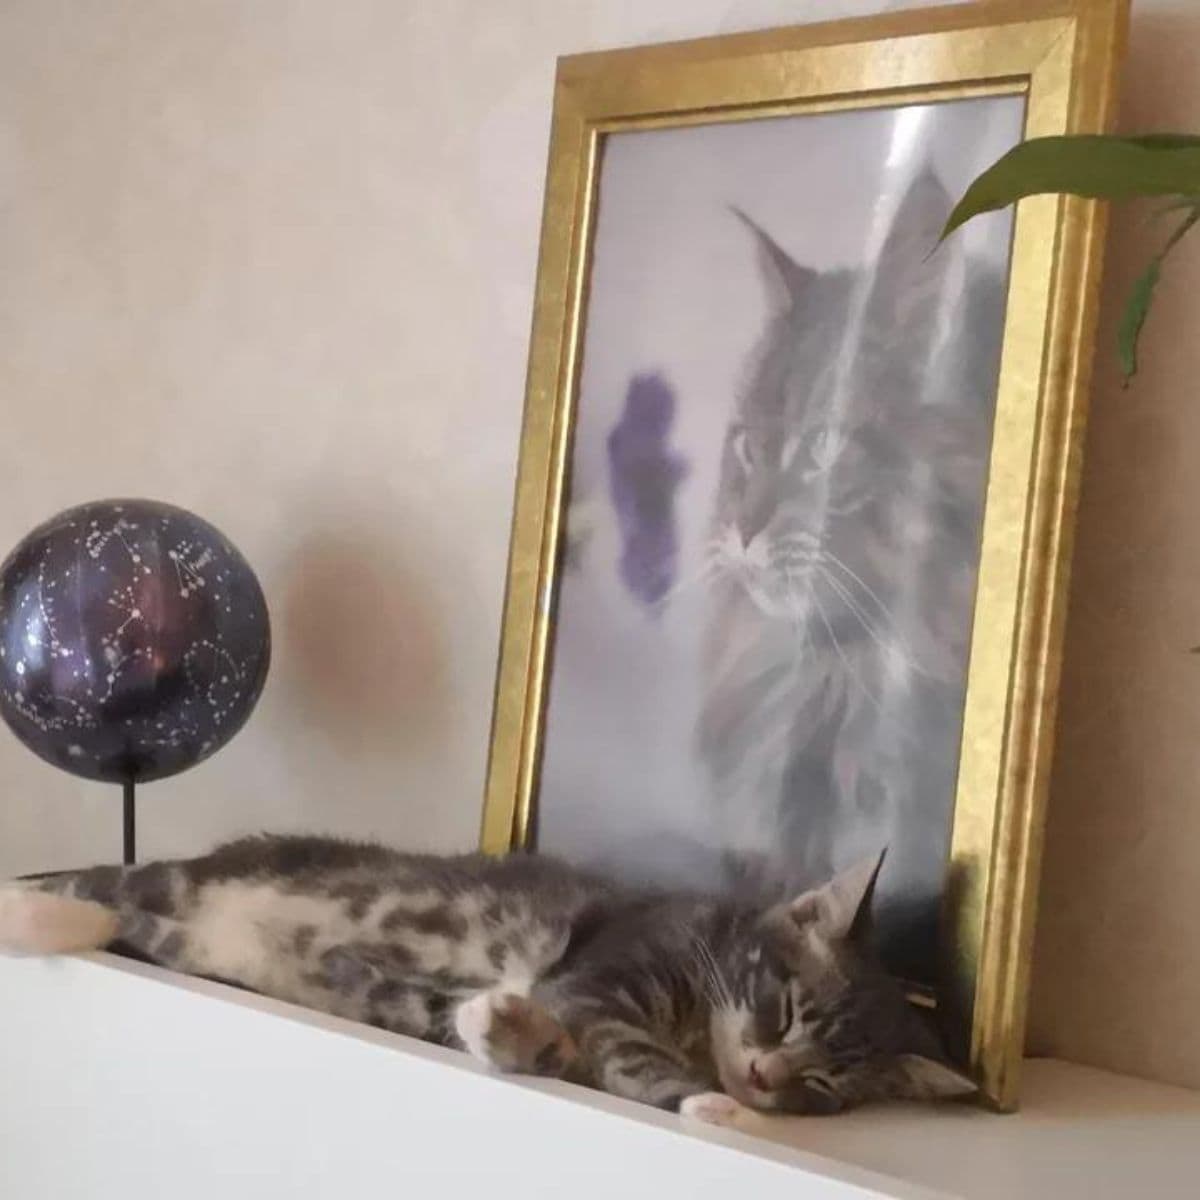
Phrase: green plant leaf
{"type": "Point", "coordinates": [1098, 167]}
{"type": "Point", "coordinates": [1177, 205]}
{"type": "Point", "coordinates": [1133, 320]}
{"type": "Point", "coordinates": [1164, 141]}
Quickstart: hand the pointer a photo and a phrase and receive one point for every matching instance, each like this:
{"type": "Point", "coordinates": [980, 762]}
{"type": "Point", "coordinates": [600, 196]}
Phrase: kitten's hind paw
{"type": "Point", "coordinates": [33, 922]}
{"type": "Point", "coordinates": [712, 1108]}
{"type": "Point", "coordinates": [513, 1033]}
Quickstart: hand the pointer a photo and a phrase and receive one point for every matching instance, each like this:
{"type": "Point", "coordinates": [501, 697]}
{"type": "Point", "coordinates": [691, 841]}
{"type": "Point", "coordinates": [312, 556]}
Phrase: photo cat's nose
{"type": "Point", "coordinates": [749, 527]}
{"type": "Point", "coordinates": [755, 515]}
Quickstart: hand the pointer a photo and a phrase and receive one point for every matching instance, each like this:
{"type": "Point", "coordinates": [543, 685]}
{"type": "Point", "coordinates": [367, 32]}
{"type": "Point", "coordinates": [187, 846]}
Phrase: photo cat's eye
{"type": "Point", "coordinates": [741, 448]}
{"type": "Point", "coordinates": [826, 447]}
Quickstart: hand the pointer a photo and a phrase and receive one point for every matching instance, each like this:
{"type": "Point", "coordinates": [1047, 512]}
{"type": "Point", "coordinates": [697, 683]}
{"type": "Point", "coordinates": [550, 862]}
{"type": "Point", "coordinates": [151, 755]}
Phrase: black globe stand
{"type": "Point", "coordinates": [129, 838]}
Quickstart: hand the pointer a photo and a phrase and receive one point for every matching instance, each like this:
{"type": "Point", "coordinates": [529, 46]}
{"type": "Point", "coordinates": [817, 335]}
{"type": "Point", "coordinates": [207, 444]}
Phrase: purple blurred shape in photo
{"type": "Point", "coordinates": [644, 476]}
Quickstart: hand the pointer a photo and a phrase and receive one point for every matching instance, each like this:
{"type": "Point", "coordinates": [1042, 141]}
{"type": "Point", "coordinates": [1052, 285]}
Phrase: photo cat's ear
{"type": "Point", "coordinates": [912, 269]}
{"type": "Point", "coordinates": [786, 279]}
{"type": "Point", "coordinates": [922, 1078]}
{"type": "Point", "coordinates": [842, 908]}
{"type": "Point", "coordinates": [921, 215]}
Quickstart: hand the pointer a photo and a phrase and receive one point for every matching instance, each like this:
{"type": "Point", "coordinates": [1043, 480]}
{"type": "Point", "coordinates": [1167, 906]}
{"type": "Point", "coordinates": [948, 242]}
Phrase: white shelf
{"type": "Point", "coordinates": [1080, 1133]}
{"type": "Point", "coordinates": [120, 1079]}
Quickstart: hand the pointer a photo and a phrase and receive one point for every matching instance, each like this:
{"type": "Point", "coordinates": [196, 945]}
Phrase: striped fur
{"type": "Point", "coordinates": [525, 962]}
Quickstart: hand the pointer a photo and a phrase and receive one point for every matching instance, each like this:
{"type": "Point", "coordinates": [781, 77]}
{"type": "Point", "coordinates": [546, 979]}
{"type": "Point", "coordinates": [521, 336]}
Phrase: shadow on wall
{"type": "Point", "coordinates": [364, 663]}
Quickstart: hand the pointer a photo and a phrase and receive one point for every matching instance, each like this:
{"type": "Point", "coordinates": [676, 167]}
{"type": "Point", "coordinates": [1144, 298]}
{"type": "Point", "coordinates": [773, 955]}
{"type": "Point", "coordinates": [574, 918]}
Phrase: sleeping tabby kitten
{"type": "Point", "coordinates": [685, 1002]}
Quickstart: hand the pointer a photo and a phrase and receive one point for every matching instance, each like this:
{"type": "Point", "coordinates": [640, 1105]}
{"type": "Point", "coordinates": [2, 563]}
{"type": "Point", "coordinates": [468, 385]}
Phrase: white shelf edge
{"type": "Point", "coordinates": [216, 1084]}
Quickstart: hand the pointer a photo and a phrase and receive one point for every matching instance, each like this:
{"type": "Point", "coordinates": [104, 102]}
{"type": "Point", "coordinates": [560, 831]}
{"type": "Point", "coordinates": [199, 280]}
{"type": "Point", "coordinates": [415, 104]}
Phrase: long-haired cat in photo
{"type": "Point", "coordinates": [692, 1003]}
{"type": "Point", "coordinates": [843, 550]}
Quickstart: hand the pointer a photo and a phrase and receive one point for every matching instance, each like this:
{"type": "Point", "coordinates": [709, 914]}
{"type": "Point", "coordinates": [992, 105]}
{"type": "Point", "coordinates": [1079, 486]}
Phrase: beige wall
{"type": "Point", "coordinates": [273, 261]}
{"type": "Point", "coordinates": [1117, 970]}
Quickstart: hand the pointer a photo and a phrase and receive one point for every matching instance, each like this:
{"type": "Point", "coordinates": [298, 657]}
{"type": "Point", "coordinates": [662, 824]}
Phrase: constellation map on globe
{"type": "Point", "coordinates": [134, 640]}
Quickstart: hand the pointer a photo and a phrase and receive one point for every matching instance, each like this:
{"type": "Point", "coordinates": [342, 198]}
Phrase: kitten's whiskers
{"type": "Point", "coordinates": [718, 992]}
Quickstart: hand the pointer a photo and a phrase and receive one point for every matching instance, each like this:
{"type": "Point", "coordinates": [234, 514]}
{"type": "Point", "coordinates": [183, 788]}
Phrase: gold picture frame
{"type": "Point", "coordinates": [1061, 56]}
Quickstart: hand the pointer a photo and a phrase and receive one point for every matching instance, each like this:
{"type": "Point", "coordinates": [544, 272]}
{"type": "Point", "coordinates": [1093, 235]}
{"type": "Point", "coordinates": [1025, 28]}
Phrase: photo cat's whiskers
{"type": "Point", "coordinates": [710, 566]}
{"type": "Point", "coordinates": [879, 631]}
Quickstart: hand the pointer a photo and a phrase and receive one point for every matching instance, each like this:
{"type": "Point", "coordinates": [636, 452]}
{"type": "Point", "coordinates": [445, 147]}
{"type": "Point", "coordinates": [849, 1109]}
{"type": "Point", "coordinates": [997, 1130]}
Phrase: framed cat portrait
{"type": "Point", "coordinates": [796, 481]}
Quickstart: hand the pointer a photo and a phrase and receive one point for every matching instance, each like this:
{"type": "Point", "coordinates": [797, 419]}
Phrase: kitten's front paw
{"type": "Point", "coordinates": [713, 1108]}
{"type": "Point", "coordinates": [513, 1033]}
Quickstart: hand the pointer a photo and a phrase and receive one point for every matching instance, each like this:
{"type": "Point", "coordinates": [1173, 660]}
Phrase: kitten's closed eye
{"type": "Point", "coordinates": [787, 1014]}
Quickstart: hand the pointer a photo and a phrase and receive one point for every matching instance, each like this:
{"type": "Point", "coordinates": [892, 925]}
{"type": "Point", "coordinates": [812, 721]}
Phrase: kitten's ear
{"type": "Point", "coordinates": [786, 278]}
{"type": "Point", "coordinates": [842, 908]}
{"type": "Point", "coordinates": [922, 1078]}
